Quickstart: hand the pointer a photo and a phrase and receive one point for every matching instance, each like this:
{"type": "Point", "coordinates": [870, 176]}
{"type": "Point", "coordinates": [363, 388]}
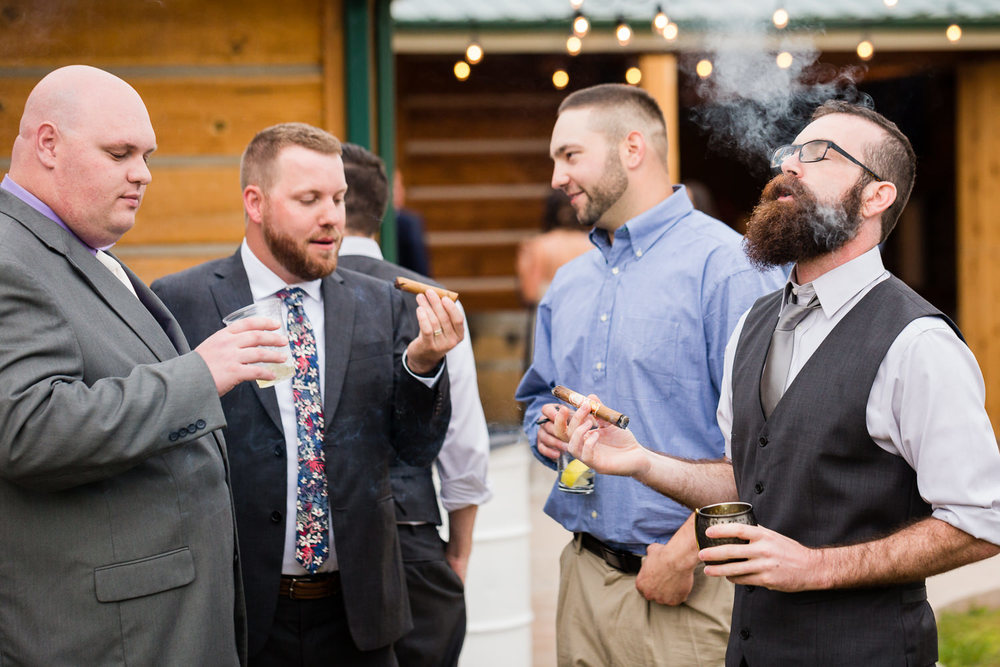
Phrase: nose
{"type": "Point", "coordinates": [791, 165]}
{"type": "Point", "coordinates": [139, 173]}
{"type": "Point", "coordinates": [559, 178]}
{"type": "Point", "coordinates": [334, 213]}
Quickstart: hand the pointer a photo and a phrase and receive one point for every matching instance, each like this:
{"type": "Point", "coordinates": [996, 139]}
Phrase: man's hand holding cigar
{"type": "Point", "coordinates": [442, 327]}
{"type": "Point", "coordinates": [556, 427]}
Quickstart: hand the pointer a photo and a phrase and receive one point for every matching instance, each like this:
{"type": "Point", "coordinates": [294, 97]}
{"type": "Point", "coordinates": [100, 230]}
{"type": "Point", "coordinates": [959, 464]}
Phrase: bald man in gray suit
{"type": "Point", "coordinates": [118, 530]}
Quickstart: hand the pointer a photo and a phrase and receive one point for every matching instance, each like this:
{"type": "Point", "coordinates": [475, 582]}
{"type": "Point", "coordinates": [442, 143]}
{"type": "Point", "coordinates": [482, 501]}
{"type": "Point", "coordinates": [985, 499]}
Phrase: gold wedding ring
{"type": "Point", "coordinates": [438, 332]}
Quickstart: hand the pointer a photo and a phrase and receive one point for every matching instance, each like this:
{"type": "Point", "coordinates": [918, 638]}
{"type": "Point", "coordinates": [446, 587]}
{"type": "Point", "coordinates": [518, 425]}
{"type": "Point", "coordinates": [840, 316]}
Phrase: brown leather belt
{"type": "Point", "coordinates": [312, 587]}
{"type": "Point", "coordinates": [625, 561]}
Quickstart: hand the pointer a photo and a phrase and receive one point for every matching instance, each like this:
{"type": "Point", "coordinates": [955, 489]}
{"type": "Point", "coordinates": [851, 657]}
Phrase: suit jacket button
{"type": "Point", "coordinates": [173, 436]}
{"type": "Point", "coordinates": [200, 424]}
{"type": "Point", "coordinates": [192, 429]}
{"type": "Point", "coordinates": [278, 451]}
{"type": "Point", "coordinates": [276, 516]}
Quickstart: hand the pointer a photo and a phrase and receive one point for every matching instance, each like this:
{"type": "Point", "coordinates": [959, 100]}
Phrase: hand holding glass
{"type": "Point", "coordinates": [710, 515]}
{"type": "Point", "coordinates": [275, 310]}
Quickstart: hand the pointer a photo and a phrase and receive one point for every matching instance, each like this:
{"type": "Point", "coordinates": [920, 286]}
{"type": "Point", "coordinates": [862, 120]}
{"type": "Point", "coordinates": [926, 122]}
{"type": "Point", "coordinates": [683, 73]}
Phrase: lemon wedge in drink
{"type": "Point", "coordinates": [571, 474]}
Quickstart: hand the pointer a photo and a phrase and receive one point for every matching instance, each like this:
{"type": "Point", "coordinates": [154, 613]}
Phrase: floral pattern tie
{"type": "Point", "coordinates": [312, 518]}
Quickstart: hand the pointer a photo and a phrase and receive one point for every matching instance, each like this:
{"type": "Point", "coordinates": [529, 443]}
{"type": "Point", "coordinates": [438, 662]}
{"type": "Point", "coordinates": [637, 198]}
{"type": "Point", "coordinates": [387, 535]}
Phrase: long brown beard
{"type": "Point", "coordinates": [292, 254]}
{"type": "Point", "coordinates": [785, 232]}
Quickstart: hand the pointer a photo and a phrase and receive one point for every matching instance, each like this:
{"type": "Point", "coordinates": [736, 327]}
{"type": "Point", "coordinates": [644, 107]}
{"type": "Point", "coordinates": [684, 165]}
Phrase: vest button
{"type": "Point", "coordinates": [745, 633]}
{"type": "Point", "coordinates": [276, 516]}
{"type": "Point", "coordinates": [758, 487]}
{"type": "Point", "coordinates": [762, 441]}
{"type": "Point", "coordinates": [750, 589]}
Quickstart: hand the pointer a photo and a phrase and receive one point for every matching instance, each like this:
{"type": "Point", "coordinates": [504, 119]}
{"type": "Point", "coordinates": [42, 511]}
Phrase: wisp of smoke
{"type": "Point", "coordinates": [751, 106]}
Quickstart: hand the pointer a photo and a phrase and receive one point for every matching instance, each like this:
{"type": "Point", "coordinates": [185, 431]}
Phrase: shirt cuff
{"type": "Point", "coordinates": [428, 382]}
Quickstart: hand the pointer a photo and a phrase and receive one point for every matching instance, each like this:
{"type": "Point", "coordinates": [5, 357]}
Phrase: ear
{"type": "Point", "coordinates": [253, 203]}
{"type": "Point", "coordinates": [634, 149]}
{"type": "Point", "coordinates": [878, 197]}
{"type": "Point", "coordinates": [47, 140]}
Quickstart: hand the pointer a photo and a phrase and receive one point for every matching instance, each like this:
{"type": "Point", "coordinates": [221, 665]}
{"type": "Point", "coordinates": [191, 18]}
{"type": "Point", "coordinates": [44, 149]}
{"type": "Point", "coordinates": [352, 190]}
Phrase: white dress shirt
{"type": "Point", "coordinates": [926, 403]}
{"type": "Point", "coordinates": [464, 456]}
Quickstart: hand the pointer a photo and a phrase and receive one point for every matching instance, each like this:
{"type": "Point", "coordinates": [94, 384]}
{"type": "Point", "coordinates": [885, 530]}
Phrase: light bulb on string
{"type": "Point", "coordinates": [633, 75]}
{"type": "Point", "coordinates": [890, 3]}
{"type": "Point", "coordinates": [780, 18]}
{"type": "Point", "coordinates": [560, 79]}
{"type": "Point", "coordinates": [581, 26]}
{"type": "Point", "coordinates": [704, 68]}
{"type": "Point", "coordinates": [462, 70]}
{"type": "Point", "coordinates": [660, 21]}
{"type": "Point", "coordinates": [575, 4]}
{"type": "Point", "coordinates": [474, 52]}
{"type": "Point", "coordinates": [573, 45]}
{"type": "Point", "coordinates": [670, 32]}
{"type": "Point", "coordinates": [865, 49]}
{"type": "Point", "coordinates": [623, 33]}
{"type": "Point", "coordinates": [784, 60]}
{"type": "Point", "coordinates": [953, 33]}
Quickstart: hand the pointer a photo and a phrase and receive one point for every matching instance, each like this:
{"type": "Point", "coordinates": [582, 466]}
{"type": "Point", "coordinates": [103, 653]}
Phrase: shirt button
{"type": "Point", "coordinates": [604, 317]}
{"type": "Point", "coordinates": [763, 441]}
{"type": "Point", "coordinates": [745, 633]}
{"type": "Point", "coordinates": [614, 271]}
{"type": "Point", "coordinates": [598, 365]}
{"type": "Point", "coordinates": [758, 487]}
{"type": "Point", "coordinates": [638, 252]}
{"type": "Point", "coordinates": [276, 516]}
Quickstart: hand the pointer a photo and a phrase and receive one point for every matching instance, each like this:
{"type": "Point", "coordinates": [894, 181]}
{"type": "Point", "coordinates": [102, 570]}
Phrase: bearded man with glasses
{"type": "Point", "coordinates": [854, 420]}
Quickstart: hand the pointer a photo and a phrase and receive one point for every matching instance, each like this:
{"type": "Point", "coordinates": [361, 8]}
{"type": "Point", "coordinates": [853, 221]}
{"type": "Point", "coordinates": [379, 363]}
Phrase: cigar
{"type": "Point", "coordinates": [576, 400]}
{"type": "Point", "coordinates": [415, 287]}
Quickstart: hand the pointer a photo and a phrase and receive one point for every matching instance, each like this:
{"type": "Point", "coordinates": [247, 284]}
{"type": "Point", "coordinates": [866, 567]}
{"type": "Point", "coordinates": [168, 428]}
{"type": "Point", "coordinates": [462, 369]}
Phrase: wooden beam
{"type": "Point", "coordinates": [978, 199]}
{"type": "Point", "coordinates": [659, 79]}
{"type": "Point", "coordinates": [334, 107]}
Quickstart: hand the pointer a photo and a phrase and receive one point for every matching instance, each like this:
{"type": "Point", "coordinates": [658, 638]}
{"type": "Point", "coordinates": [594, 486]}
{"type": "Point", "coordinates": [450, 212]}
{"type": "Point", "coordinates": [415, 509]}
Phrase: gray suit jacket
{"type": "Point", "coordinates": [374, 410]}
{"type": "Point", "coordinates": [117, 542]}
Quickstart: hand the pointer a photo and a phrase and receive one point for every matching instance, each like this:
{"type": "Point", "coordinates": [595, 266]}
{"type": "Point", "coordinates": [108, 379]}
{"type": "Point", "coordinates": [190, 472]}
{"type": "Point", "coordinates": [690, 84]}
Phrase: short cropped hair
{"type": "Point", "coordinates": [621, 109]}
{"type": "Point", "coordinates": [367, 189]}
{"type": "Point", "coordinates": [257, 163]}
{"type": "Point", "coordinates": [893, 159]}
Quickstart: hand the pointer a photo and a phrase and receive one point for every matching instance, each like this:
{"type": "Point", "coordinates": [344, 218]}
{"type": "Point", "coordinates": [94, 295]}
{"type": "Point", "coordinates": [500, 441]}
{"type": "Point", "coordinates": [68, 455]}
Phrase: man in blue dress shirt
{"type": "Point", "coordinates": [664, 288]}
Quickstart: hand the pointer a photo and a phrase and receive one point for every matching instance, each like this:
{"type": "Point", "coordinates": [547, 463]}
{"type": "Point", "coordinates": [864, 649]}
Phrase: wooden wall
{"type": "Point", "coordinates": [978, 190]}
{"type": "Point", "coordinates": [211, 73]}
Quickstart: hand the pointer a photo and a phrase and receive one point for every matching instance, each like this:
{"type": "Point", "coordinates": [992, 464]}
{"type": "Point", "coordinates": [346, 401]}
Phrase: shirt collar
{"type": "Point", "coordinates": [641, 232]}
{"type": "Point", "coordinates": [839, 285]}
{"type": "Point", "coordinates": [263, 281]}
{"type": "Point", "coordinates": [34, 202]}
{"type": "Point", "coordinates": [360, 245]}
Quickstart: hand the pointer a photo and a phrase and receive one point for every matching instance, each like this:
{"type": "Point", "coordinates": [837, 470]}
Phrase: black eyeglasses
{"type": "Point", "coordinates": [812, 151]}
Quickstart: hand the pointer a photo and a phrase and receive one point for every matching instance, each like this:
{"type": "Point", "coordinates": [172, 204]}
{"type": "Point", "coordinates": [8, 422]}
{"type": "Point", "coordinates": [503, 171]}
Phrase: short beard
{"type": "Point", "coordinates": [606, 193]}
{"type": "Point", "coordinates": [291, 255]}
{"type": "Point", "coordinates": [785, 232]}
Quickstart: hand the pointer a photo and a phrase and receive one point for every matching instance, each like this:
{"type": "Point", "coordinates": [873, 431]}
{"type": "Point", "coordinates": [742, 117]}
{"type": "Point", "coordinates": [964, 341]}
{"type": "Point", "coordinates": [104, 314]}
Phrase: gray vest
{"type": "Point", "coordinates": [813, 474]}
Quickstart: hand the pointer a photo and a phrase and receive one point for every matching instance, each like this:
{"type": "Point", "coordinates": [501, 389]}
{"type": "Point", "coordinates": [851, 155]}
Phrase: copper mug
{"type": "Point", "coordinates": [729, 512]}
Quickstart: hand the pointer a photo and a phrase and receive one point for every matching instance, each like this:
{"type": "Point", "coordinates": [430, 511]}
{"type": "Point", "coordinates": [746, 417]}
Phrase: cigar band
{"type": "Point", "coordinates": [576, 399]}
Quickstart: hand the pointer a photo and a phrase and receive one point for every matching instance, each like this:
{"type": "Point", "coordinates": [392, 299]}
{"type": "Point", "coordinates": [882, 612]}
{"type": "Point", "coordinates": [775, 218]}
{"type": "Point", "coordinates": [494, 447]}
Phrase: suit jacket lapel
{"type": "Point", "coordinates": [338, 324]}
{"type": "Point", "coordinates": [131, 310]}
{"type": "Point", "coordinates": [231, 291]}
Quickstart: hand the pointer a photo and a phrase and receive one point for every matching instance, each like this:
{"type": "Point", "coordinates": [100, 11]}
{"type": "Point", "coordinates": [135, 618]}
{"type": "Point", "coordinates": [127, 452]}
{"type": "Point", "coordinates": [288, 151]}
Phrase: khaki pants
{"type": "Point", "coordinates": [603, 621]}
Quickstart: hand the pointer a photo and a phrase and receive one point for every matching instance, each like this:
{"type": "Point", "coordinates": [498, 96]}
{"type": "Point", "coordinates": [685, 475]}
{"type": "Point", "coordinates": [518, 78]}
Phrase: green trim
{"type": "Point", "coordinates": [357, 47]}
{"type": "Point", "coordinates": [386, 85]}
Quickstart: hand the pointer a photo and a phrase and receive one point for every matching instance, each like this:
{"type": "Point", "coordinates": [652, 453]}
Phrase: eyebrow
{"type": "Point", "coordinates": [565, 148]}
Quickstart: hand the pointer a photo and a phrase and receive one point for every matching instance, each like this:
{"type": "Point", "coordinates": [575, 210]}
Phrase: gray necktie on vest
{"type": "Point", "coordinates": [779, 355]}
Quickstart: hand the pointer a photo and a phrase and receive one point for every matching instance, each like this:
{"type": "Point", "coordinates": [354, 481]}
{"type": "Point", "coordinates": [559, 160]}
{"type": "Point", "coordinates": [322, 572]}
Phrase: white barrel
{"type": "Point", "coordinates": [498, 585]}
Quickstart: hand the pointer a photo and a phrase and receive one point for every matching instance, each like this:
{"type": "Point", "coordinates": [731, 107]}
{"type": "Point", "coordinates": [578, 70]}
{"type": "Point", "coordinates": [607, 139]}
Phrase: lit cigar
{"type": "Point", "coordinates": [576, 400]}
{"type": "Point", "coordinates": [415, 287]}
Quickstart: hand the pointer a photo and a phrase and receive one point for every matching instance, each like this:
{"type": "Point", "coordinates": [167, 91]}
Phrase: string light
{"type": "Point", "coordinates": [474, 52]}
{"type": "Point", "coordinates": [953, 33]}
{"type": "Point", "coordinates": [780, 18]}
{"type": "Point", "coordinates": [670, 32]}
{"type": "Point", "coordinates": [866, 49]}
{"type": "Point", "coordinates": [633, 75]}
{"type": "Point", "coordinates": [573, 45]}
{"type": "Point", "coordinates": [576, 4]}
{"type": "Point", "coordinates": [623, 32]}
{"type": "Point", "coordinates": [580, 25]}
{"type": "Point", "coordinates": [890, 3]}
{"type": "Point", "coordinates": [462, 70]}
{"type": "Point", "coordinates": [704, 68]}
{"type": "Point", "coordinates": [784, 60]}
{"type": "Point", "coordinates": [560, 79]}
{"type": "Point", "coordinates": [660, 21]}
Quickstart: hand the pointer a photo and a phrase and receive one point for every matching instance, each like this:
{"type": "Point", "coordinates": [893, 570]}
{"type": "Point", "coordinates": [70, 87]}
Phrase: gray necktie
{"type": "Point", "coordinates": [779, 355]}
